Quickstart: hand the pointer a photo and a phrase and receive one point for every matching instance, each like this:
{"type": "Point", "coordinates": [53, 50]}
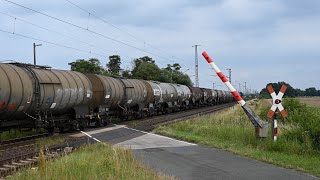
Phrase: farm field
{"type": "Point", "coordinates": [310, 101]}
{"type": "Point", "coordinates": [298, 141]}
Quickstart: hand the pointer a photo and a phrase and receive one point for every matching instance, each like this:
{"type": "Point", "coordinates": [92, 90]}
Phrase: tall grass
{"type": "Point", "coordinates": [46, 142]}
{"type": "Point", "coordinates": [232, 130]}
{"type": "Point", "coordinates": [97, 161]}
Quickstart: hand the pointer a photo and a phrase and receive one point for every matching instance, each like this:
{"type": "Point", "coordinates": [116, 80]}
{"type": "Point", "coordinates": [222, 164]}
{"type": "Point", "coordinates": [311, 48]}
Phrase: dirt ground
{"type": "Point", "coordinates": [311, 101]}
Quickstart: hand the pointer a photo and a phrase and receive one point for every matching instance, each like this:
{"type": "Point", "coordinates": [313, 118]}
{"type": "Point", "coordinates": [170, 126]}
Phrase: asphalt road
{"type": "Point", "coordinates": [185, 160]}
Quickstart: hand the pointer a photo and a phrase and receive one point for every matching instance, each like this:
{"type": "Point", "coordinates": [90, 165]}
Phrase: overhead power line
{"type": "Point", "coordinates": [118, 28]}
{"type": "Point", "coordinates": [93, 32]}
{"type": "Point", "coordinates": [53, 43]}
{"type": "Point", "coordinates": [61, 34]}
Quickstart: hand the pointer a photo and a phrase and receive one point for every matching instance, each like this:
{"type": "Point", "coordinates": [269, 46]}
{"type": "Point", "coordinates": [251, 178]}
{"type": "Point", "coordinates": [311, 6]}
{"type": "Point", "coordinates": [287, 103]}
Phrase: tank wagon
{"type": "Point", "coordinates": [38, 96]}
{"type": "Point", "coordinates": [209, 96]}
{"type": "Point", "coordinates": [31, 95]}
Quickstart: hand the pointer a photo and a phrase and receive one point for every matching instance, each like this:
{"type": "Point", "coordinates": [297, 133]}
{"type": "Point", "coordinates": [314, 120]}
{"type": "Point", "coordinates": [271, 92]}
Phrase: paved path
{"type": "Point", "coordinates": [185, 160]}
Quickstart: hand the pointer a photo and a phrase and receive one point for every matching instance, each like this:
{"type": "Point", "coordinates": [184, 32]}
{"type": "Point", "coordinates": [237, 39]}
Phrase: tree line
{"type": "Point", "coordinates": [142, 68]}
{"type": "Point", "coordinates": [291, 92]}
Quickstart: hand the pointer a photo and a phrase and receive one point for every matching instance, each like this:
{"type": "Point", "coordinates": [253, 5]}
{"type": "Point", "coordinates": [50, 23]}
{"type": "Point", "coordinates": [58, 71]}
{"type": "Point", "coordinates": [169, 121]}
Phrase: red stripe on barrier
{"type": "Point", "coordinates": [236, 95]}
{"type": "Point", "coordinates": [206, 56]}
{"type": "Point", "coordinates": [222, 77]}
{"type": "Point", "coordinates": [275, 131]}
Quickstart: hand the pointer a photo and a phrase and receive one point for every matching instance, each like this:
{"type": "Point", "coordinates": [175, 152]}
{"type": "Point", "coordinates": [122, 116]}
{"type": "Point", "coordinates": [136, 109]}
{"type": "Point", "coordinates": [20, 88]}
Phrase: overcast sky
{"type": "Point", "coordinates": [262, 41]}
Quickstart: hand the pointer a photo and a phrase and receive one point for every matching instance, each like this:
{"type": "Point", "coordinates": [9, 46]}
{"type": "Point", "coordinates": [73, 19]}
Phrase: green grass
{"type": "Point", "coordinates": [45, 142]}
{"type": "Point", "coordinates": [97, 161]}
{"type": "Point", "coordinates": [231, 130]}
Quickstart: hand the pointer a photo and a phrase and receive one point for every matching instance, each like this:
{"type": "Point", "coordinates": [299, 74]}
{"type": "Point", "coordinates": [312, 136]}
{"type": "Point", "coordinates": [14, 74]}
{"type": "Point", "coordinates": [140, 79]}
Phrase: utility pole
{"type": "Point", "coordinates": [239, 86]}
{"type": "Point", "coordinates": [171, 73]}
{"type": "Point", "coordinates": [212, 85]}
{"type": "Point", "coordinates": [34, 52]}
{"type": "Point", "coordinates": [196, 65]}
{"type": "Point", "coordinates": [229, 75]}
{"type": "Point", "coordinates": [245, 87]}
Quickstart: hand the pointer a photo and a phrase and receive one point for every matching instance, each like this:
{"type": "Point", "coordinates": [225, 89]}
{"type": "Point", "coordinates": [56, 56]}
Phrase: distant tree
{"type": "Point", "coordinates": [299, 92]}
{"type": "Point", "coordinates": [180, 78]}
{"type": "Point", "coordinates": [113, 66]}
{"type": "Point", "coordinates": [145, 59]}
{"type": "Point", "coordinates": [174, 66]}
{"type": "Point", "coordinates": [277, 86]}
{"type": "Point", "coordinates": [126, 74]}
{"type": "Point", "coordinates": [142, 60]}
{"type": "Point", "coordinates": [146, 68]}
{"type": "Point", "coordinates": [147, 71]}
{"type": "Point", "coordinates": [173, 74]}
{"type": "Point", "coordinates": [87, 66]}
{"type": "Point", "coordinates": [291, 92]}
{"type": "Point", "coordinates": [311, 91]}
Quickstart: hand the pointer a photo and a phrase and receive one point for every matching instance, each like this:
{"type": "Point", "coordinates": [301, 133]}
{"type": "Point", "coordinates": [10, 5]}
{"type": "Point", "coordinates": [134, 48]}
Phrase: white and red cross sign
{"type": "Point", "coordinates": [277, 101]}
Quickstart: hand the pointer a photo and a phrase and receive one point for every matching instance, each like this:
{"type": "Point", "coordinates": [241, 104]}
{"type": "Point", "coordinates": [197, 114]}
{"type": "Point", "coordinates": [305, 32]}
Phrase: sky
{"type": "Point", "coordinates": [262, 41]}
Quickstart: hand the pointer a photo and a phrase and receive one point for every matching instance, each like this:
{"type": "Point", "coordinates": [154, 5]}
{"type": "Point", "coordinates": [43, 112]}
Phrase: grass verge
{"type": "Point", "coordinates": [45, 142]}
{"type": "Point", "coordinates": [232, 131]}
{"type": "Point", "coordinates": [96, 161]}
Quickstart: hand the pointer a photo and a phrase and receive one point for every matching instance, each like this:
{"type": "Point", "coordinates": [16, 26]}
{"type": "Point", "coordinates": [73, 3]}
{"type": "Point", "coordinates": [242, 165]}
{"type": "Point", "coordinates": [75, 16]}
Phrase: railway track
{"type": "Point", "coordinates": [15, 158]}
{"type": "Point", "coordinates": [149, 124]}
{"type": "Point", "coordinates": [23, 141]}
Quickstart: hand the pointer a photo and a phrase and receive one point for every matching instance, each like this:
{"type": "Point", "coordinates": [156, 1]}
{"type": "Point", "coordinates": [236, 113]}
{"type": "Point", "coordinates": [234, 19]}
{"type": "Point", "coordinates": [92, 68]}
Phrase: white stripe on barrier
{"type": "Point", "coordinates": [242, 102]}
{"type": "Point", "coordinates": [229, 85]}
{"type": "Point", "coordinates": [215, 67]}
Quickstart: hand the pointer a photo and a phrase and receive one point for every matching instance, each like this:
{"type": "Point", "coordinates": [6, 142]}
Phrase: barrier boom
{"type": "Point", "coordinates": [255, 120]}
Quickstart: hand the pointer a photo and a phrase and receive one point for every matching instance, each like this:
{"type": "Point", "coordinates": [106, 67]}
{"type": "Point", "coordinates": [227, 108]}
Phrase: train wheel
{"type": "Point", "coordinates": [144, 114]}
{"type": "Point", "coordinates": [75, 126]}
{"type": "Point", "coordinates": [81, 128]}
{"type": "Point", "coordinates": [124, 118]}
{"type": "Point", "coordinates": [61, 129]}
{"type": "Point", "coordinates": [50, 130]}
{"type": "Point", "coordinates": [104, 121]}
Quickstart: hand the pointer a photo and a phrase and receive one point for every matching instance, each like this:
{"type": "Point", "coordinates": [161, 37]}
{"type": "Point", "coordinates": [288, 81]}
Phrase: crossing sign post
{"type": "Point", "coordinates": [276, 106]}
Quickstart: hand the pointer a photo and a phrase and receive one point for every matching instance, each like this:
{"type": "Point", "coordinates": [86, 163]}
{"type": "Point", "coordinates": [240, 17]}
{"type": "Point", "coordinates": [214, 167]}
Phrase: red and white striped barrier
{"type": "Point", "coordinates": [224, 79]}
{"type": "Point", "coordinates": [260, 125]}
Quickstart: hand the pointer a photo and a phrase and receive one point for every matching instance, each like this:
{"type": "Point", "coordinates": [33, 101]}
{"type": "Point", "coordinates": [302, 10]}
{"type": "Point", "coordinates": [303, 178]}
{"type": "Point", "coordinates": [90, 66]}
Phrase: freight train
{"type": "Point", "coordinates": [34, 96]}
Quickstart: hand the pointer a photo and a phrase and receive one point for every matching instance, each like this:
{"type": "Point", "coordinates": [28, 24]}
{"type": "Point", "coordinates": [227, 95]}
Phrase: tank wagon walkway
{"type": "Point", "coordinates": [185, 160]}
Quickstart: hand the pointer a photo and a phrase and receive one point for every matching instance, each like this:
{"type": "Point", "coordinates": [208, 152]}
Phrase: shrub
{"type": "Point", "coordinates": [304, 123]}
